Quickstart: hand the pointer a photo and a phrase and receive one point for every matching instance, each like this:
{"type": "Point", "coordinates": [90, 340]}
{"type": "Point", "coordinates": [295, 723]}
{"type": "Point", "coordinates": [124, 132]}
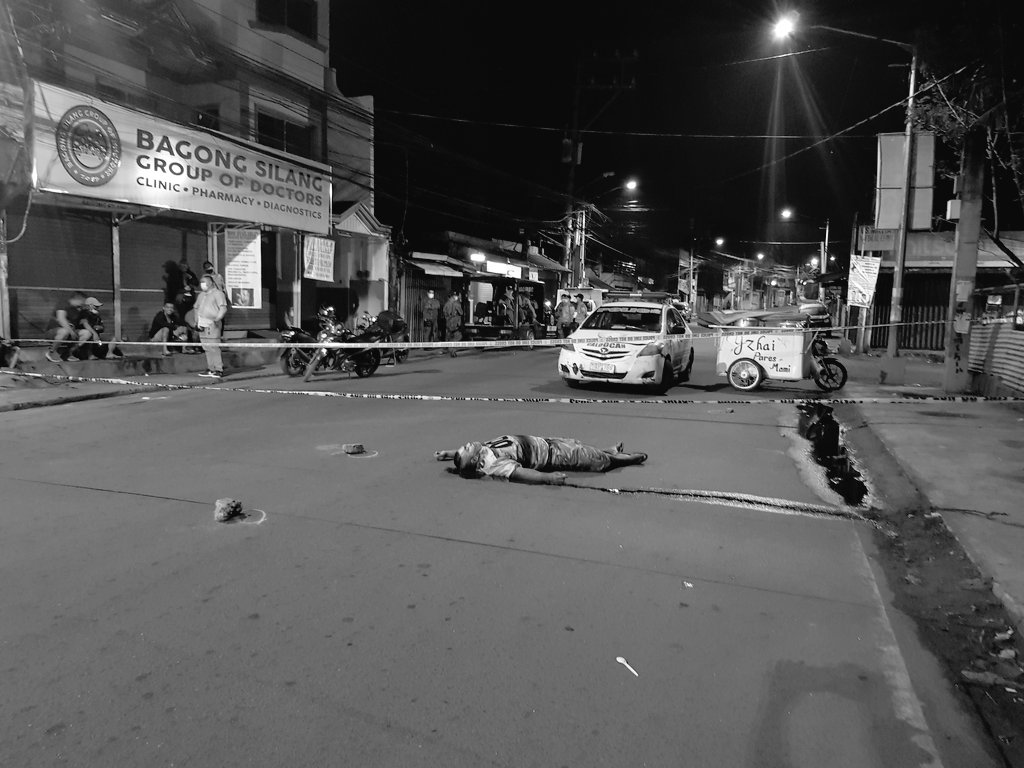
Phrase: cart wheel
{"type": "Point", "coordinates": [745, 375]}
{"type": "Point", "coordinates": [831, 376]}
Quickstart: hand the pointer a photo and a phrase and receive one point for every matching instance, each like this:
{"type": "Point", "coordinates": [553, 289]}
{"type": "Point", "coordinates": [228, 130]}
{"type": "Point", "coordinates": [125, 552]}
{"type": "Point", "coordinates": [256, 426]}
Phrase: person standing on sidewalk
{"type": "Point", "coordinates": [211, 306]}
{"type": "Point", "coordinates": [453, 319]}
{"type": "Point", "coordinates": [564, 312]}
{"type": "Point", "coordinates": [430, 310]}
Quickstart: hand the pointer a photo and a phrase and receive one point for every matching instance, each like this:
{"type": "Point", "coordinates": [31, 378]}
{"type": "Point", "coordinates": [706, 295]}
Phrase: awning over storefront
{"type": "Point", "coordinates": [473, 274]}
{"type": "Point", "coordinates": [545, 263]}
{"type": "Point", "coordinates": [433, 268]}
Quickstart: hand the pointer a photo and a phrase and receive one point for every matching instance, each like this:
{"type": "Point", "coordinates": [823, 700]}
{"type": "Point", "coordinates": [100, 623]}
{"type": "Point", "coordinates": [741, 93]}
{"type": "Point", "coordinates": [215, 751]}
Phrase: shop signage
{"type": "Point", "coordinates": [88, 147]}
{"type": "Point", "coordinates": [875, 239]}
{"type": "Point", "coordinates": [242, 273]}
{"type": "Point", "coordinates": [318, 258]}
{"type": "Point", "coordinates": [863, 276]}
{"type": "Point", "coordinates": [535, 275]}
{"type": "Point", "coordinates": [508, 270]}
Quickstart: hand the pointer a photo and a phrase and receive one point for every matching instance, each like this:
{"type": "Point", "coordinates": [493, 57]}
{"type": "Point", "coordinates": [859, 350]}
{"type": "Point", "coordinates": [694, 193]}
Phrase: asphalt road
{"type": "Point", "coordinates": [386, 612]}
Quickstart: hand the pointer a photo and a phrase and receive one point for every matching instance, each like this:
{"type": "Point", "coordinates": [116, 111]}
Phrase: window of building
{"type": "Point", "coordinates": [278, 133]}
{"type": "Point", "coordinates": [208, 117]}
{"type": "Point", "coordinates": [297, 15]}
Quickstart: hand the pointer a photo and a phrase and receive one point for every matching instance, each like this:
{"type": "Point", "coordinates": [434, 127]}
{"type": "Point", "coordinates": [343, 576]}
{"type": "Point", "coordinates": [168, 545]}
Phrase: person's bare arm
{"type": "Point", "coordinates": [533, 477]}
{"type": "Point", "coordinates": [444, 455]}
{"type": "Point", "coordinates": [62, 319]}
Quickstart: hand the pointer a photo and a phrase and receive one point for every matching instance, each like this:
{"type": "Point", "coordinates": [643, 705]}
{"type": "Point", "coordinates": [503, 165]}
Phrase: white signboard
{"type": "Point", "coordinates": [318, 258]}
{"type": "Point", "coordinates": [88, 147]}
{"type": "Point", "coordinates": [863, 276]}
{"type": "Point", "coordinates": [780, 353]}
{"type": "Point", "coordinates": [875, 239]}
{"type": "Point", "coordinates": [508, 270]}
{"type": "Point", "coordinates": [242, 273]}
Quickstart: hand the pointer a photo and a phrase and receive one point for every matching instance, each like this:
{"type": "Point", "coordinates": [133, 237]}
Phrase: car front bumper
{"type": "Point", "coordinates": [575, 366]}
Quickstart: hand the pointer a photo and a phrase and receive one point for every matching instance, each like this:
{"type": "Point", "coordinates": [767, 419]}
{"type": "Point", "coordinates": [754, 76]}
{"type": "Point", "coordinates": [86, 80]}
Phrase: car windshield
{"type": "Point", "coordinates": [624, 319]}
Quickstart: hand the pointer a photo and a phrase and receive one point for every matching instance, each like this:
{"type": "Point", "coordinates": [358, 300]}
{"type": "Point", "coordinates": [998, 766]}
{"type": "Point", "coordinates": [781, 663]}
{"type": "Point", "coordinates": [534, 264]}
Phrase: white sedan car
{"type": "Point", "coordinates": [629, 342]}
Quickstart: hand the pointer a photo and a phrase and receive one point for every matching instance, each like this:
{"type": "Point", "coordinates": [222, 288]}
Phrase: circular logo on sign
{"type": "Point", "coordinates": [88, 146]}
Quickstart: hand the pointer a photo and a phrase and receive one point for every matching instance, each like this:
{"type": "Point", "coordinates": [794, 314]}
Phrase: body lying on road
{"type": "Point", "coordinates": [537, 460]}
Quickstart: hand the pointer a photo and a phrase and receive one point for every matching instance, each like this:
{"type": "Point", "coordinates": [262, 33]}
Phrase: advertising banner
{"type": "Point", "coordinates": [863, 276]}
{"type": "Point", "coordinates": [91, 148]}
{"type": "Point", "coordinates": [242, 273]}
{"type": "Point", "coordinates": [318, 258]}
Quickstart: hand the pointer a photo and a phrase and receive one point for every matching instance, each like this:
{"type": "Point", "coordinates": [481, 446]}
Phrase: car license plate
{"type": "Point", "coordinates": [602, 367]}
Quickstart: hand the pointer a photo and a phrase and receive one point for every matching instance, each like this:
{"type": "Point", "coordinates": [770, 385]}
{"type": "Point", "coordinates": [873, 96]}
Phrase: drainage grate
{"type": "Point", "coordinates": [820, 428]}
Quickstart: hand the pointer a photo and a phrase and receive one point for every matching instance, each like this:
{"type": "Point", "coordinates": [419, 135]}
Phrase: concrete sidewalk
{"type": "Point", "coordinates": [966, 461]}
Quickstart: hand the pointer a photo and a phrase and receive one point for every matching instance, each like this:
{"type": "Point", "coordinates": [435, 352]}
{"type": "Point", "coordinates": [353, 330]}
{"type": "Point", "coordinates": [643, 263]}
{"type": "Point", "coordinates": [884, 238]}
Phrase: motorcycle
{"type": "Point", "coordinates": [294, 360]}
{"type": "Point", "coordinates": [364, 362]}
{"type": "Point", "coordinates": [828, 373]}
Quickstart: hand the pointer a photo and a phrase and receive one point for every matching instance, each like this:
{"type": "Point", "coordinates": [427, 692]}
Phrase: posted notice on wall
{"type": "Point", "coordinates": [318, 258]}
{"type": "Point", "coordinates": [863, 276]}
{"type": "Point", "coordinates": [242, 271]}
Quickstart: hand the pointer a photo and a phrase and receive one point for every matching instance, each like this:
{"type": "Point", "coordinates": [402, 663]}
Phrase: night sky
{"type": "Point", "coordinates": [486, 63]}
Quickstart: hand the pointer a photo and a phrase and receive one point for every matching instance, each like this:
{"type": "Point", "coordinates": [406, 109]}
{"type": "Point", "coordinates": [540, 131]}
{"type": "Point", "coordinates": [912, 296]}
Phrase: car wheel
{"type": "Point", "coordinates": [664, 384]}
{"type": "Point", "coordinates": [684, 375]}
{"type": "Point", "coordinates": [745, 375]}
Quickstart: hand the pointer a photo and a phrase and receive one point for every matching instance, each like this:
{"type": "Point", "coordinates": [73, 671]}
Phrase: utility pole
{"type": "Point", "coordinates": [572, 144]}
{"type": "Point", "coordinates": [965, 263]}
{"type": "Point", "coordinates": [896, 304]}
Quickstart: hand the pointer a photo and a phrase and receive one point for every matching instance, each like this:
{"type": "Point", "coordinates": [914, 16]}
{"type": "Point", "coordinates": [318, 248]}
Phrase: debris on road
{"type": "Point", "coordinates": [625, 663]}
{"type": "Point", "coordinates": [226, 510]}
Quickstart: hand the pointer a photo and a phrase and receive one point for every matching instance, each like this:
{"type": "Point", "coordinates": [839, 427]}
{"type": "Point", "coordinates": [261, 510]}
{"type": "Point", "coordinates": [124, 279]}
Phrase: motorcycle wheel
{"type": "Point", "coordinates": [745, 375]}
{"type": "Point", "coordinates": [313, 364]}
{"type": "Point", "coordinates": [368, 363]}
{"type": "Point", "coordinates": [293, 362]}
{"type": "Point", "coordinates": [831, 375]}
{"type": "Point", "coordinates": [401, 355]}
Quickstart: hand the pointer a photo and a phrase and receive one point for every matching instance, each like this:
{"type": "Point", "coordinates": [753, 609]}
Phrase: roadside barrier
{"type": "Point", "coordinates": [909, 399]}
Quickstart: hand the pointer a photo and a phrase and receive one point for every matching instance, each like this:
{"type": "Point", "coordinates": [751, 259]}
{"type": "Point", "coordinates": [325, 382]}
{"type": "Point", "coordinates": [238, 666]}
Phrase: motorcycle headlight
{"type": "Point", "coordinates": [654, 348]}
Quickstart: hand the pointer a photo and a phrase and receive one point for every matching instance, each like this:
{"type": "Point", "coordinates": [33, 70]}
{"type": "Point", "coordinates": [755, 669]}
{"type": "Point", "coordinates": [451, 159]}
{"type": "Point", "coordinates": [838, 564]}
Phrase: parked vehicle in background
{"type": "Point", "coordinates": [628, 341]}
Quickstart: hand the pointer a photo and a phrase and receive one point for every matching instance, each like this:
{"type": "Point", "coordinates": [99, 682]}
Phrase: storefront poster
{"type": "Point", "coordinates": [318, 258]}
{"type": "Point", "coordinates": [242, 273]}
{"type": "Point", "coordinates": [94, 149]}
{"type": "Point", "coordinates": [863, 276]}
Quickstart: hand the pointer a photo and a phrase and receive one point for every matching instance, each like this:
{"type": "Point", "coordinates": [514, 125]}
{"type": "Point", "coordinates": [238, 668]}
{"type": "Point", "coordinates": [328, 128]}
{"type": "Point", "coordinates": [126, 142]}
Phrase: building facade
{"type": "Point", "coordinates": [173, 133]}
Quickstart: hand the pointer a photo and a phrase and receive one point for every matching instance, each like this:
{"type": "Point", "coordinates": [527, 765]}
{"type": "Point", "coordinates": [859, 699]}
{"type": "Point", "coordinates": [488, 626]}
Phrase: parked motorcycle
{"type": "Point", "coordinates": [365, 361]}
{"type": "Point", "coordinates": [294, 360]}
{"type": "Point", "coordinates": [828, 373]}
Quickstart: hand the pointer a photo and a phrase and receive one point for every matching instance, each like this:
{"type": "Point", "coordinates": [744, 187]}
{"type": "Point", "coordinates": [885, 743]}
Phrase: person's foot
{"type": "Point", "coordinates": [53, 357]}
{"type": "Point", "coordinates": [74, 359]}
{"type": "Point", "coordinates": [218, 374]}
{"type": "Point", "coordinates": [208, 375]}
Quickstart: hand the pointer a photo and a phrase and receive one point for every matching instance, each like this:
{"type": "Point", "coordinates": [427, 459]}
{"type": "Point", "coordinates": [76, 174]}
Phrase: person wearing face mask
{"type": "Point", "coordinates": [211, 306]}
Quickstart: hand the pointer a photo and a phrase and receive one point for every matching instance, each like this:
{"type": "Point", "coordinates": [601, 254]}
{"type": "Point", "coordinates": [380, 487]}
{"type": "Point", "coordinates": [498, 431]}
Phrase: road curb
{"type": "Point", "coordinates": [896, 482]}
{"type": "Point", "coordinates": [66, 399]}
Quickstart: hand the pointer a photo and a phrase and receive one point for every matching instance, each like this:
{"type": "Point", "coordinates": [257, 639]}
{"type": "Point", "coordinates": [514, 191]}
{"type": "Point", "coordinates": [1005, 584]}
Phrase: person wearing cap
{"type": "Point", "coordinates": [63, 326]}
{"type": "Point", "coordinates": [211, 306]}
{"type": "Point", "coordinates": [583, 308]}
{"type": "Point", "coordinates": [564, 312]}
{"type": "Point", "coordinates": [535, 460]}
{"type": "Point", "coordinates": [91, 321]}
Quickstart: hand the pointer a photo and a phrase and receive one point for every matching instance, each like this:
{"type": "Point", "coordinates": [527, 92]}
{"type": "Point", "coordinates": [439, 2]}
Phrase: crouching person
{"type": "Point", "coordinates": [536, 460]}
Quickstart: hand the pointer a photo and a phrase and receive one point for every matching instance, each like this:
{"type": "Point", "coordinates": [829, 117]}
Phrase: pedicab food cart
{"type": "Point", "coordinates": [749, 356]}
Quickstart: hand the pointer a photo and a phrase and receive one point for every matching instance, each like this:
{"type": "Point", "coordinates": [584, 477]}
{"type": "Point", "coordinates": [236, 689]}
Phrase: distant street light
{"type": "Point", "coordinates": [784, 27]}
{"type": "Point", "coordinates": [719, 241]}
{"type": "Point", "coordinates": [786, 213]}
{"type": "Point", "coordinates": [760, 257]}
{"type": "Point", "coordinates": [631, 185]}
{"type": "Point", "coordinates": [814, 261]}
{"type": "Point", "coordinates": [477, 256]}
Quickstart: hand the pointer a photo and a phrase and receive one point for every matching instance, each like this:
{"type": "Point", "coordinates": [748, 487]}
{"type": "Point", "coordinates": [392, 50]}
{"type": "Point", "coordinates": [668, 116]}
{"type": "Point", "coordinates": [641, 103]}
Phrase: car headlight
{"type": "Point", "coordinates": [569, 347]}
{"type": "Point", "coordinates": [654, 348]}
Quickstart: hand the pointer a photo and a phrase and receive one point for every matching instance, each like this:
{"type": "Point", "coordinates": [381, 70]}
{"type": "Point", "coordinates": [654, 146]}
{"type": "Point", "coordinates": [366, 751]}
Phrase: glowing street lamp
{"type": "Point", "coordinates": [719, 241]}
{"type": "Point", "coordinates": [786, 213]}
{"type": "Point", "coordinates": [760, 257]}
{"type": "Point", "coordinates": [477, 256]}
{"type": "Point", "coordinates": [785, 27]}
{"type": "Point", "coordinates": [814, 261]}
{"type": "Point", "coordinates": [632, 184]}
